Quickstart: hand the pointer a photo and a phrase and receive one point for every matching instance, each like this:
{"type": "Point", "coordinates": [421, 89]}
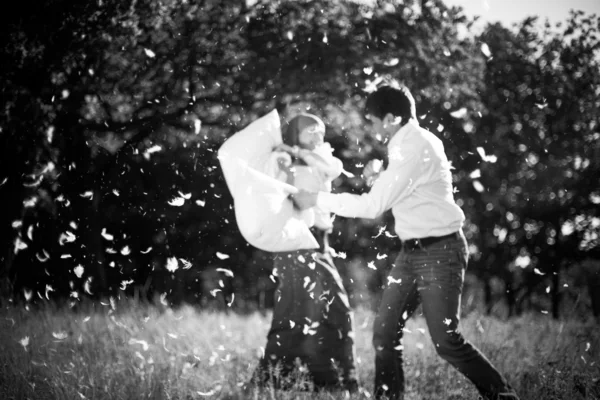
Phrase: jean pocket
{"type": "Point", "coordinates": [458, 272]}
{"type": "Point", "coordinates": [462, 256]}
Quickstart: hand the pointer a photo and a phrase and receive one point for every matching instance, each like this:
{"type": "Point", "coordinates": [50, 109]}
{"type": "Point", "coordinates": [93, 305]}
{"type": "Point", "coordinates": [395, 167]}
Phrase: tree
{"type": "Point", "coordinates": [542, 97]}
{"type": "Point", "coordinates": [114, 112]}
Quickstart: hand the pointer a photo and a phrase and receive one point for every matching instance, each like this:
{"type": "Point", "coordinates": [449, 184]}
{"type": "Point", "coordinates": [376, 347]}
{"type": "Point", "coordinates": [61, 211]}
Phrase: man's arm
{"type": "Point", "coordinates": [396, 182]}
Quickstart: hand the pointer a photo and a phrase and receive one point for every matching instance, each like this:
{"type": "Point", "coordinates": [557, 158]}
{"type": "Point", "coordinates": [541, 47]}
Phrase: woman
{"type": "Point", "coordinates": [312, 319]}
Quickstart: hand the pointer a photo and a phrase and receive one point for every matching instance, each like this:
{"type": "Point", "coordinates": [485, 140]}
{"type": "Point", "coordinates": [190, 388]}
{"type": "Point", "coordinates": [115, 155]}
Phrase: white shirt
{"type": "Point", "coordinates": [317, 176]}
{"type": "Point", "coordinates": [417, 186]}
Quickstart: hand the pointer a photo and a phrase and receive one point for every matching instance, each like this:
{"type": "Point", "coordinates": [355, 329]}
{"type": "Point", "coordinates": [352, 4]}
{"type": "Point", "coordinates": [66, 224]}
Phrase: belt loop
{"type": "Point", "coordinates": [420, 244]}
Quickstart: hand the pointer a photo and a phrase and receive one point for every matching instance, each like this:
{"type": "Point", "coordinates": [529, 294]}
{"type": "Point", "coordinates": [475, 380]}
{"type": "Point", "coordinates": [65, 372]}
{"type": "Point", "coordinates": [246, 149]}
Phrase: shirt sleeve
{"type": "Point", "coordinates": [394, 184]}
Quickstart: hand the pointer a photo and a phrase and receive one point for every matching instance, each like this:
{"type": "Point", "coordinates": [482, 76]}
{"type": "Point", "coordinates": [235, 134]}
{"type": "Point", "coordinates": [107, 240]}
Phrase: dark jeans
{"type": "Point", "coordinates": [432, 276]}
{"type": "Point", "coordinates": [312, 324]}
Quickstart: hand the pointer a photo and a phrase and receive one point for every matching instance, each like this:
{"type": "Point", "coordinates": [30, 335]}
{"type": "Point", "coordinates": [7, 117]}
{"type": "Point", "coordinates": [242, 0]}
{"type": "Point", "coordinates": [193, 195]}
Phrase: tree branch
{"type": "Point", "coordinates": [134, 124]}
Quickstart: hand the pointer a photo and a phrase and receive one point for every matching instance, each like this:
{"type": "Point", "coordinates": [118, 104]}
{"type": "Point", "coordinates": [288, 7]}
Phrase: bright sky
{"type": "Point", "coordinates": [509, 11]}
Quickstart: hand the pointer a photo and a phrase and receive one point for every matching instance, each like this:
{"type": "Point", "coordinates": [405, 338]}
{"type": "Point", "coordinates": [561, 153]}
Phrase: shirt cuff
{"type": "Point", "coordinates": [326, 202]}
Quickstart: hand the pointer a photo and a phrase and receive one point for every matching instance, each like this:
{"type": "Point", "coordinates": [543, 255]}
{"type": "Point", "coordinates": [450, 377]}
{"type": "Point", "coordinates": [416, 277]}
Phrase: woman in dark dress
{"type": "Point", "coordinates": [312, 325]}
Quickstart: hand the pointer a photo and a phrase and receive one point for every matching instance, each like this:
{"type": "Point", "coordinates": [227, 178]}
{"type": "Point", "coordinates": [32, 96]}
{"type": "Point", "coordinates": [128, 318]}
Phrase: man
{"type": "Point", "coordinates": [417, 186]}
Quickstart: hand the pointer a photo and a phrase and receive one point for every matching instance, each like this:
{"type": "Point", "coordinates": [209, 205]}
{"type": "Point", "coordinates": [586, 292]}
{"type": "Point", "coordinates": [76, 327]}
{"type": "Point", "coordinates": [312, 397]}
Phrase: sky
{"type": "Point", "coordinates": [510, 11]}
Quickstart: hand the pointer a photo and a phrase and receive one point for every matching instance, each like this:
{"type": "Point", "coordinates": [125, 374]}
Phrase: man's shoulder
{"type": "Point", "coordinates": [405, 147]}
{"type": "Point", "coordinates": [414, 143]}
{"type": "Point", "coordinates": [414, 138]}
{"type": "Point", "coordinates": [424, 138]}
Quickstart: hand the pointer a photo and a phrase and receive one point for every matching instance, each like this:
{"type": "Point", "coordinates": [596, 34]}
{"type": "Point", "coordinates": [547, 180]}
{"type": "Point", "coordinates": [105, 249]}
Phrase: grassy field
{"type": "Point", "coordinates": [147, 353]}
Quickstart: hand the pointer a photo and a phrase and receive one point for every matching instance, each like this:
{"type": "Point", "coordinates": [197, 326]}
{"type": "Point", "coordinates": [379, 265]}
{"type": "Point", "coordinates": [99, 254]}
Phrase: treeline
{"type": "Point", "coordinates": [112, 113]}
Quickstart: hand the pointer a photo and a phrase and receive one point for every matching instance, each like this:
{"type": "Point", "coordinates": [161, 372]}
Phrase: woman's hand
{"type": "Point", "coordinates": [293, 151]}
{"type": "Point", "coordinates": [371, 171]}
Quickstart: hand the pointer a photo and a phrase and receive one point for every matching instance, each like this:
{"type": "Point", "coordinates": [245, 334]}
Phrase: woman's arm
{"type": "Point", "coordinates": [279, 165]}
{"type": "Point", "coordinates": [293, 151]}
{"type": "Point", "coordinates": [286, 169]}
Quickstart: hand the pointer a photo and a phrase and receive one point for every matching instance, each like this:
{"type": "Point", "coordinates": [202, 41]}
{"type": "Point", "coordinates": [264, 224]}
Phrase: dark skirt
{"type": "Point", "coordinates": [312, 326]}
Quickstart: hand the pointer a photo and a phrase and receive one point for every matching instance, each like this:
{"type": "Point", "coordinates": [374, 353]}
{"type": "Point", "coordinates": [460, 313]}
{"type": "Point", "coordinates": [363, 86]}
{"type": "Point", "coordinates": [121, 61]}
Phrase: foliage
{"type": "Point", "coordinates": [538, 203]}
{"type": "Point", "coordinates": [113, 113]}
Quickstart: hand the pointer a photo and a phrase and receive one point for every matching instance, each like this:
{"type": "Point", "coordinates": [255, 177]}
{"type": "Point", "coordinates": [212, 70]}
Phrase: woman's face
{"type": "Point", "coordinates": [311, 137]}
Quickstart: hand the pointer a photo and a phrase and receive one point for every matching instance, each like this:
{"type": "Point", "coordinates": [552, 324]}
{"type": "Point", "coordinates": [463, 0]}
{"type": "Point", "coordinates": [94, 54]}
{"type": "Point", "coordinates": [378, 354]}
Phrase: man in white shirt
{"type": "Point", "coordinates": [417, 187]}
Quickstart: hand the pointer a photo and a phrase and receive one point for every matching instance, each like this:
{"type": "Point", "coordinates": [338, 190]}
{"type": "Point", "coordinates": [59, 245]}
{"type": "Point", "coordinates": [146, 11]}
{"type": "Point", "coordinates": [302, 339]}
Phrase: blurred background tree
{"type": "Point", "coordinates": [113, 113]}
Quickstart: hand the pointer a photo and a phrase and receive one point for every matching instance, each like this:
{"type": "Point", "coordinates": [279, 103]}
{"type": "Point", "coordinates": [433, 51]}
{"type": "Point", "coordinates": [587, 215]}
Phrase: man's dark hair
{"type": "Point", "coordinates": [394, 99]}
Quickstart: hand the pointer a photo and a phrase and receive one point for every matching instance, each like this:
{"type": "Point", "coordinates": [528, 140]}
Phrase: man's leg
{"type": "Point", "coordinates": [440, 269]}
{"type": "Point", "coordinates": [400, 299]}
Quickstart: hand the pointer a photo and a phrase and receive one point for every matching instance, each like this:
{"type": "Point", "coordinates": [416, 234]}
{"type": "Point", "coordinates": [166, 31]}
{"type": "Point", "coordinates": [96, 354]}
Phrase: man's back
{"type": "Point", "coordinates": [428, 209]}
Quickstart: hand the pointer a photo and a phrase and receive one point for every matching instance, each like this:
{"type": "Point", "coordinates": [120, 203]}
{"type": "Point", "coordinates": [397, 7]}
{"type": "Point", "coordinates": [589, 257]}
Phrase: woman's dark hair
{"type": "Point", "coordinates": [393, 99]}
{"type": "Point", "coordinates": [291, 130]}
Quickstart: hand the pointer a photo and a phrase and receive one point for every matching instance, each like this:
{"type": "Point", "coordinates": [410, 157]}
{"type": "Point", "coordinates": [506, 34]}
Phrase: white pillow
{"type": "Point", "coordinates": [264, 213]}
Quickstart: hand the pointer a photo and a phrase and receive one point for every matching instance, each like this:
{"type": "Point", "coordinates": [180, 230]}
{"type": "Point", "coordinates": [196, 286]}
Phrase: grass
{"type": "Point", "coordinates": [149, 353]}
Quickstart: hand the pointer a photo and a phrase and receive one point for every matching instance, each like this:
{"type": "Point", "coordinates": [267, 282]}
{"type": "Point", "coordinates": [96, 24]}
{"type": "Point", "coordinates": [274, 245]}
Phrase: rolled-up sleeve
{"type": "Point", "coordinates": [395, 183]}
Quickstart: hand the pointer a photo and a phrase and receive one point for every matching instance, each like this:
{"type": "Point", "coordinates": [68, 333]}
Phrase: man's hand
{"type": "Point", "coordinates": [371, 171]}
{"type": "Point", "coordinates": [304, 199]}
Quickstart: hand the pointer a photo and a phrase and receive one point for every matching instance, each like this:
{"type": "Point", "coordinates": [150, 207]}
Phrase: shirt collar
{"type": "Point", "coordinates": [410, 125]}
